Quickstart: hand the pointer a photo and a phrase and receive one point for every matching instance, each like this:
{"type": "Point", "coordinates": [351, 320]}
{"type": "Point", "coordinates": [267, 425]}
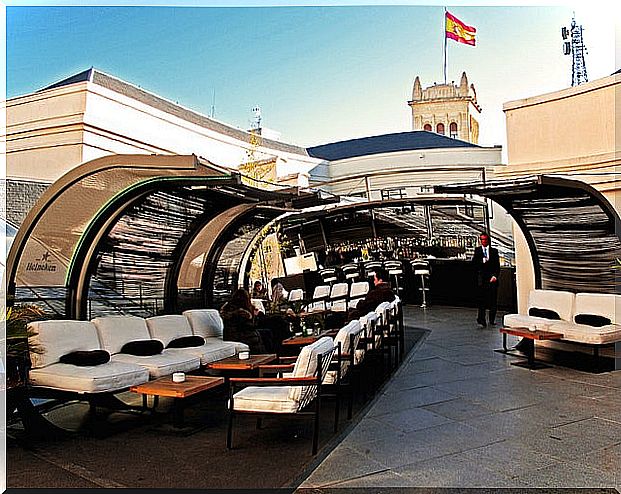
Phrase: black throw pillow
{"type": "Point", "coordinates": [545, 313]}
{"type": "Point", "coordinates": [143, 348]}
{"type": "Point", "coordinates": [85, 358]}
{"type": "Point", "coordinates": [592, 320]}
{"type": "Point", "coordinates": [186, 342]}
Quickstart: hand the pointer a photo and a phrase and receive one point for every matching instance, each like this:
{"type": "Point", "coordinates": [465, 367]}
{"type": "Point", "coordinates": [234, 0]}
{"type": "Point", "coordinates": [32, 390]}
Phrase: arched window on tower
{"type": "Point", "coordinates": [453, 130]}
{"type": "Point", "coordinates": [427, 127]}
{"type": "Point", "coordinates": [440, 128]}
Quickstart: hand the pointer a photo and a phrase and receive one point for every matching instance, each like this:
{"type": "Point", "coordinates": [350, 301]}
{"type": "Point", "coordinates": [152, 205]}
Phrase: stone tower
{"type": "Point", "coordinates": [446, 109]}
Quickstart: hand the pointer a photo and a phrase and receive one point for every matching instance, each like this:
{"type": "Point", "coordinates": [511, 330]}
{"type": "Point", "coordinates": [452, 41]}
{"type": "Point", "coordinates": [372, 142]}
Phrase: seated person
{"type": "Point", "coordinates": [259, 291]}
{"type": "Point", "coordinates": [279, 294]}
{"type": "Point", "coordinates": [238, 317]}
{"type": "Point", "coordinates": [380, 293]}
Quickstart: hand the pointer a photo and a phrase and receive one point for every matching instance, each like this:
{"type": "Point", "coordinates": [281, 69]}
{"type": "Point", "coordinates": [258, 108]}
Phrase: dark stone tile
{"type": "Point", "coordinates": [458, 409]}
{"type": "Point", "coordinates": [342, 464]}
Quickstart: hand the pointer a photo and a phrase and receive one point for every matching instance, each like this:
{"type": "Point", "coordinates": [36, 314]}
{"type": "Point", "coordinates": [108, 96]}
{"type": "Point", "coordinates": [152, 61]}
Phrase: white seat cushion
{"type": "Point", "coordinates": [205, 322]}
{"type": "Point", "coordinates": [115, 331]}
{"type": "Point", "coordinates": [59, 337]}
{"type": "Point", "coordinates": [111, 376]}
{"type": "Point", "coordinates": [168, 328]}
{"type": "Point", "coordinates": [524, 321]}
{"type": "Point", "coordinates": [213, 349]}
{"type": "Point", "coordinates": [169, 361]}
{"type": "Point", "coordinates": [582, 333]}
{"type": "Point", "coordinates": [265, 399]}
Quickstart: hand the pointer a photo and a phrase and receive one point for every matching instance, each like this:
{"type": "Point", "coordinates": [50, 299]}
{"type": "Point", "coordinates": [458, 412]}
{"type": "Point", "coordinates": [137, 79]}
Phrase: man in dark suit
{"type": "Point", "coordinates": [487, 266]}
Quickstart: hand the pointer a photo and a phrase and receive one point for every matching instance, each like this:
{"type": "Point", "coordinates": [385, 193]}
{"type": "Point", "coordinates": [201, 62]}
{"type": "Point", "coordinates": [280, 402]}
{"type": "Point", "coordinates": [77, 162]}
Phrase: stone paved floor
{"type": "Point", "coordinates": [457, 414]}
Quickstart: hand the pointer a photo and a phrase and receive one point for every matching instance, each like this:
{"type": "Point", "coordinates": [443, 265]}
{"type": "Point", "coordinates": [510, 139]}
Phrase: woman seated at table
{"type": "Point", "coordinates": [259, 291]}
{"type": "Point", "coordinates": [238, 315]}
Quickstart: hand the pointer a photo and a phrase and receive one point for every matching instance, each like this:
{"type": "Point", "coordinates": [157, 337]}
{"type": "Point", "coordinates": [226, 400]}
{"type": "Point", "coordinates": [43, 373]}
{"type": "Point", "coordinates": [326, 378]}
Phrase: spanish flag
{"type": "Point", "coordinates": [457, 30]}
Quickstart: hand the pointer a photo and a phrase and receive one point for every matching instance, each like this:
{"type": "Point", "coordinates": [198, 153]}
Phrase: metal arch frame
{"type": "Point", "coordinates": [64, 183]}
{"type": "Point", "coordinates": [542, 180]}
{"type": "Point", "coordinates": [80, 273]}
{"type": "Point", "coordinates": [171, 285]}
{"type": "Point", "coordinates": [220, 242]}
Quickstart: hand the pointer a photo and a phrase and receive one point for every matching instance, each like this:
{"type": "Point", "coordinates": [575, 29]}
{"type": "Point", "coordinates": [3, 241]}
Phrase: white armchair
{"type": "Point", "coordinates": [284, 395]}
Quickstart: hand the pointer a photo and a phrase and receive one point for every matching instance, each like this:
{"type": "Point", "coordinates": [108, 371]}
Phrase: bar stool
{"type": "Point", "coordinates": [421, 268]}
{"type": "Point", "coordinates": [395, 269]}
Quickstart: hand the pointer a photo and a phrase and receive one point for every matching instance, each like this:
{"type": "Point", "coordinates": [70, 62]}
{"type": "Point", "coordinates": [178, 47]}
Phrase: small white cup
{"type": "Point", "coordinates": [243, 355]}
{"type": "Point", "coordinates": [178, 377]}
{"type": "Point", "coordinates": [532, 327]}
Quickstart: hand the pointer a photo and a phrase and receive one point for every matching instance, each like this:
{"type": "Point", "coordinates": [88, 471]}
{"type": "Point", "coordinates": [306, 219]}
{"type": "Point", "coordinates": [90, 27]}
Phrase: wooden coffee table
{"type": "Point", "coordinates": [234, 363]}
{"type": "Point", "coordinates": [164, 386]}
{"type": "Point", "coordinates": [530, 337]}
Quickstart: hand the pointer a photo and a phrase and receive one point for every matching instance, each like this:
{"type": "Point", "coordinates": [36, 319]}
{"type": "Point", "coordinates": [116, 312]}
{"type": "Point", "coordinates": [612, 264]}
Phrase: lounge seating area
{"type": "Point", "coordinates": [592, 319]}
{"type": "Point", "coordinates": [88, 360]}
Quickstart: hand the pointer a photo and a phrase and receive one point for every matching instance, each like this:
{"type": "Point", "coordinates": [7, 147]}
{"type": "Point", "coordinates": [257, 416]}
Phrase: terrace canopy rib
{"type": "Point", "coordinates": [113, 231]}
{"type": "Point", "coordinates": [572, 231]}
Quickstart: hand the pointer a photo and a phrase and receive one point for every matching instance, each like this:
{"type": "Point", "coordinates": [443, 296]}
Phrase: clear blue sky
{"type": "Point", "coordinates": [319, 74]}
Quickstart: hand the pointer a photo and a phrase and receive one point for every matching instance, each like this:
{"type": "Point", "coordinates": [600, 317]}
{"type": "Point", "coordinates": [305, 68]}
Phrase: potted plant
{"type": "Point", "coordinates": [17, 349]}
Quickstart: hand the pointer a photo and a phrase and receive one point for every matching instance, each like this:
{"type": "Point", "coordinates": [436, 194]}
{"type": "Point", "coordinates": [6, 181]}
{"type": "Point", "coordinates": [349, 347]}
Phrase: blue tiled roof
{"type": "Point", "coordinates": [386, 143]}
{"type": "Point", "coordinates": [86, 75]}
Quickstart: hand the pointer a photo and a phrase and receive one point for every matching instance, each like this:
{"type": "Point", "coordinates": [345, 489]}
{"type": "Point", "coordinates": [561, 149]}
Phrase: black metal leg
{"type": "Point", "coordinates": [531, 353]}
{"type": "Point", "coordinates": [178, 405]}
{"type": "Point", "coordinates": [504, 342]}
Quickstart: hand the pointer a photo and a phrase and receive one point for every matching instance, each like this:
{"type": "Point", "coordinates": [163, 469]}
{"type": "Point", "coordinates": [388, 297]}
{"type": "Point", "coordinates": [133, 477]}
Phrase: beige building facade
{"type": "Point", "coordinates": [92, 114]}
{"type": "Point", "coordinates": [446, 109]}
{"type": "Point", "coordinates": [571, 133]}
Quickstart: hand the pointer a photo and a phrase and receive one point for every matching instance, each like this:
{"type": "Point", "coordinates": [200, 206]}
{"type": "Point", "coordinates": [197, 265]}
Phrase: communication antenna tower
{"type": "Point", "coordinates": [256, 118]}
{"type": "Point", "coordinates": [576, 48]}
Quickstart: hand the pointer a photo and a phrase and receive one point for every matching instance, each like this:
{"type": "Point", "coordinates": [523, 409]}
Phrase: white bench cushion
{"type": "Point", "coordinates": [582, 333]}
{"type": "Point", "coordinates": [525, 321]}
{"type": "Point", "coordinates": [213, 349]}
{"type": "Point", "coordinates": [58, 337]}
{"type": "Point", "coordinates": [115, 331]}
{"type": "Point", "coordinates": [111, 376]}
{"type": "Point", "coordinates": [205, 322]}
{"type": "Point", "coordinates": [169, 327]}
{"type": "Point", "coordinates": [265, 399]}
{"type": "Point", "coordinates": [169, 361]}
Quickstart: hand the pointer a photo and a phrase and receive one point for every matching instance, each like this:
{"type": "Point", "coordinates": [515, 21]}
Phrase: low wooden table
{"type": "Point", "coordinates": [164, 386]}
{"type": "Point", "coordinates": [530, 337]}
{"type": "Point", "coordinates": [234, 363]}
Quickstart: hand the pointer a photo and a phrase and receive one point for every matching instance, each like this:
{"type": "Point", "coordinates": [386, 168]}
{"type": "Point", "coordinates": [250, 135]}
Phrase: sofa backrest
{"type": "Point", "coordinates": [169, 327]}
{"type": "Point", "coordinates": [560, 302]}
{"type": "Point", "coordinates": [115, 331]}
{"type": "Point", "coordinates": [56, 338]}
{"type": "Point", "coordinates": [600, 304]}
{"type": "Point", "coordinates": [205, 322]}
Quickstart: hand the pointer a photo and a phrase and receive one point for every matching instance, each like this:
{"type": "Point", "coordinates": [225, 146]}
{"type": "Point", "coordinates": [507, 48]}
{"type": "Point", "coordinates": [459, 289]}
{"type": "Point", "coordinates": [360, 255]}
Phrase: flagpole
{"type": "Point", "coordinates": [444, 30]}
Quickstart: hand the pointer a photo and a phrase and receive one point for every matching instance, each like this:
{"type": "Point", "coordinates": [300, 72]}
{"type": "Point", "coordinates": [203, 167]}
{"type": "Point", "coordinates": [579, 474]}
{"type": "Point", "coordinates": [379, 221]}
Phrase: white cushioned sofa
{"type": "Point", "coordinates": [170, 327]}
{"type": "Point", "coordinates": [208, 324]}
{"type": "Point", "coordinates": [56, 338]}
{"type": "Point", "coordinates": [116, 331]}
{"type": "Point", "coordinates": [589, 318]}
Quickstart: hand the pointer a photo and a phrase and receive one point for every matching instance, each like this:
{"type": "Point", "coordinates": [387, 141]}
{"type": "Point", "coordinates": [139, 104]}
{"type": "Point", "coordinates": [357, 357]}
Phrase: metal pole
{"type": "Point", "coordinates": [444, 29]}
